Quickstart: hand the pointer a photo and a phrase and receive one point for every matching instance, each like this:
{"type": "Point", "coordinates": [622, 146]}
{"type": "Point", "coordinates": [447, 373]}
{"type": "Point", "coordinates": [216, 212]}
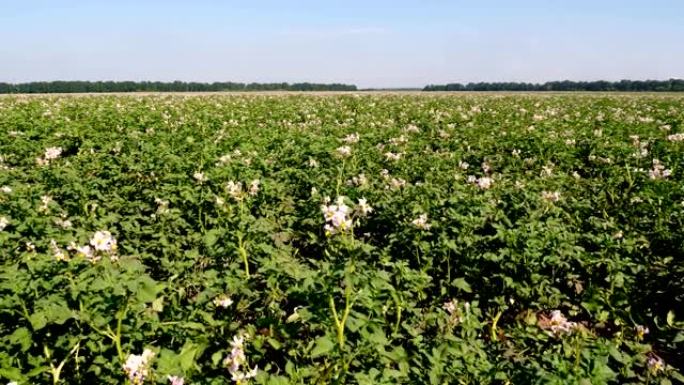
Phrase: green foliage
{"type": "Point", "coordinates": [489, 213]}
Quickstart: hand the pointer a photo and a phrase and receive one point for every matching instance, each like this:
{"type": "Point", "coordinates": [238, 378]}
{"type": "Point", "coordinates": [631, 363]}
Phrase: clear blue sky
{"type": "Point", "coordinates": [368, 43]}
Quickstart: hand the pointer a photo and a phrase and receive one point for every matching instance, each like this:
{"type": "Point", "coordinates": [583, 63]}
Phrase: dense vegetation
{"type": "Point", "coordinates": [672, 85]}
{"type": "Point", "coordinates": [177, 86]}
{"type": "Point", "coordinates": [342, 239]}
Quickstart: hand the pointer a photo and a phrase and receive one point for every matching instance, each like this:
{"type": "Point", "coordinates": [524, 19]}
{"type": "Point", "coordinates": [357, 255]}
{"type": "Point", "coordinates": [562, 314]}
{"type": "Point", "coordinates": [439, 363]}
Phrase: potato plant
{"type": "Point", "coordinates": [342, 239]}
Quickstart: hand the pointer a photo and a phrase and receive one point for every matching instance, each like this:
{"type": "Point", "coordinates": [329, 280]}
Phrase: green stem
{"type": "Point", "coordinates": [243, 254]}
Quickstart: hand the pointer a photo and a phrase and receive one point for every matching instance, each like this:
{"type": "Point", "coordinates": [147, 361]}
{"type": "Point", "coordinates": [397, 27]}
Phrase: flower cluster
{"type": "Point", "coordinates": [659, 171]}
{"type": "Point", "coordinates": [59, 254]}
{"type": "Point", "coordinates": [421, 222]}
{"type": "Point", "coordinates": [51, 153]}
{"type": "Point", "coordinates": [137, 366]}
{"type": "Point", "coordinates": [412, 128]}
{"type": "Point", "coordinates": [558, 324]}
{"type": "Point", "coordinates": [175, 380]}
{"type": "Point", "coordinates": [223, 301]}
{"type": "Point", "coordinates": [102, 242]}
{"type": "Point", "coordinates": [237, 359]}
{"type": "Point", "coordinates": [162, 206]}
{"type": "Point", "coordinates": [351, 138]}
{"type": "Point", "coordinates": [450, 306]}
{"type": "Point", "coordinates": [200, 177]}
{"type": "Point", "coordinates": [4, 222]}
{"type": "Point", "coordinates": [343, 151]}
{"type": "Point", "coordinates": [484, 183]}
{"type": "Point", "coordinates": [655, 364]}
{"type": "Point", "coordinates": [679, 137]}
{"type": "Point", "coordinates": [45, 201]}
{"type": "Point", "coordinates": [363, 208]}
{"type": "Point", "coordinates": [641, 331]}
{"type": "Point", "coordinates": [336, 216]}
{"type": "Point", "coordinates": [398, 141]}
{"type": "Point", "coordinates": [551, 196]}
{"type": "Point", "coordinates": [392, 156]}
{"type": "Point", "coordinates": [358, 181]}
{"type": "Point", "coordinates": [642, 147]}
{"type": "Point", "coordinates": [235, 190]}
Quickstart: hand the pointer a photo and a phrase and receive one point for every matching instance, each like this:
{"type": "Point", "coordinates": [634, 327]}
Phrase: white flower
{"type": "Point", "coordinates": [59, 254]}
{"type": "Point", "coordinates": [6, 189]}
{"type": "Point", "coordinates": [559, 324]}
{"type": "Point", "coordinates": [4, 222]}
{"type": "Point", "coordinates": [551, 196]}
{"type": "Point", "coordinates": [450, 306]}
{"type": "Point", "coordinates": [359, 180]}
{"type": "Point", "coordinates": [236, 359]}
{"type": "Point", "coordinates": [421, 222]}
{"type": "Point", "coordinates": [486, 168]}
{"type": "Point", "coordinates": [363, 207]}
{"type": "Point", "coordinates": [137, 366]}
{"type": "Point", "coordinates": [641, 331]}
{"type": "Point", "coordinates": [63, 222]}
{"type": "Point", "coordinates": [515, 152]}
{"type": "Point", "coordinates": [52, 153]}
{"type": "Point", "coordinates": [398, 141]}
{"type": "Point", "coordinates": [336, 216]}
{"type": "Point", "coordinates": [676, 137]}
{"type": "Point", "coordinates": [397, 183]}
{"type": "Point", "coordinates": [234, 189]}
{"type": "Point", "coordinates": [655, 364]}
{"type": "Point", "coordinates": [392, 156]}
{"type": "Point", "coordinates": [658, 171]}
{"type": "Point", "coordinates": [343, 151]}
{"type": "Point", "coordinates": [313, 163]}
{"type": "Point", "coordinates": [220, 201]}
{"type": "Point", "coordinates": [254, 187]}
{"type": "Point", "coordinates": [162, 206]}
{"type": "Point", "coordinates": [85, 252]}
{"type": "Point", "coordinates": [547, 170]}
{"type": "Point", "coordinates": [223, 301]}
{"type": "Point", "coordinates": [175, 380]}
{"type": "Point", "coordinates": [199, 176]}
{"type": "Point", "coordinates": [45, 202]}
{"type": "Point", "coordinates": [485, 182]}
{"type": "Point", "coordinates": [351, 138]}
{"type": "Point", "coordinates": [463, 165]}
{"type": "Point", "coordinates": [223, 160]}
{"type": "Point", "coordinates": [103, 241]}
{"type": "Point", "coordinates": [412, 128]}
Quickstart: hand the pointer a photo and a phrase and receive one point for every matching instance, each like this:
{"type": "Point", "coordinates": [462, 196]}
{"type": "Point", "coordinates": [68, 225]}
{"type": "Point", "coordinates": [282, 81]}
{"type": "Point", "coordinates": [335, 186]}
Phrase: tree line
{"type": "Point", "coordinates": [177, 86]}
{"type": "Point", "coordinates": [671, 85]}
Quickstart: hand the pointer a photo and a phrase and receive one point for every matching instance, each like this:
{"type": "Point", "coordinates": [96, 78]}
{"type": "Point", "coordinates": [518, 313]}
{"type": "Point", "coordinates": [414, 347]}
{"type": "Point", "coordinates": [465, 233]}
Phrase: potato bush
{"type": "Point", "coordinates": [361, 239]}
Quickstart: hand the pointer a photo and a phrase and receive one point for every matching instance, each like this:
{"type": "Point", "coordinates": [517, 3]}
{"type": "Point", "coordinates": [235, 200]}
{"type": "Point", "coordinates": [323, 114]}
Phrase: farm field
{"type": "Point", "coordinates": [342, 239]}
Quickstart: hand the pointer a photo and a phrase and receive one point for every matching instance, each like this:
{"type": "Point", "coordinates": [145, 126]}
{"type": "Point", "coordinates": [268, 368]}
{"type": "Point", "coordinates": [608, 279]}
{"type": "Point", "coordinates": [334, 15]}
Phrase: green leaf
{"type": "Point", "coordinates": [460, 283]}
{"type": "Point", "coordinates": [22, 337]}
{"type": "Point", "coordinates": [158, 304]}
{"type": "Point", "coordinates": [323, 345]}
{"type": "Point", "coordinates": [38, 320]}
{"type": "Point", "coordinates": [670, 318]}
{"type": "Point", "coordinates": [211, 237]}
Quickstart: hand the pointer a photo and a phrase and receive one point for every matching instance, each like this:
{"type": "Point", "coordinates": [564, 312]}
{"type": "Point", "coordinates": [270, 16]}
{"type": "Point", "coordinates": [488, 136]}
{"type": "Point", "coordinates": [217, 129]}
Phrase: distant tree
{"type": "Point", "coordinates": [672, 85]}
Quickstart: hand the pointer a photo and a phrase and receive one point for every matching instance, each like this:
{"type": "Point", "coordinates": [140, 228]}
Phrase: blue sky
{"type": "Point", "coordinates": [368, 43]}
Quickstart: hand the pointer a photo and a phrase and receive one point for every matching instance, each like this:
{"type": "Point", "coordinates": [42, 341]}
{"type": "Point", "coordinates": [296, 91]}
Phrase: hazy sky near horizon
{"type": "Point", "coordinates": [368, 43]}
